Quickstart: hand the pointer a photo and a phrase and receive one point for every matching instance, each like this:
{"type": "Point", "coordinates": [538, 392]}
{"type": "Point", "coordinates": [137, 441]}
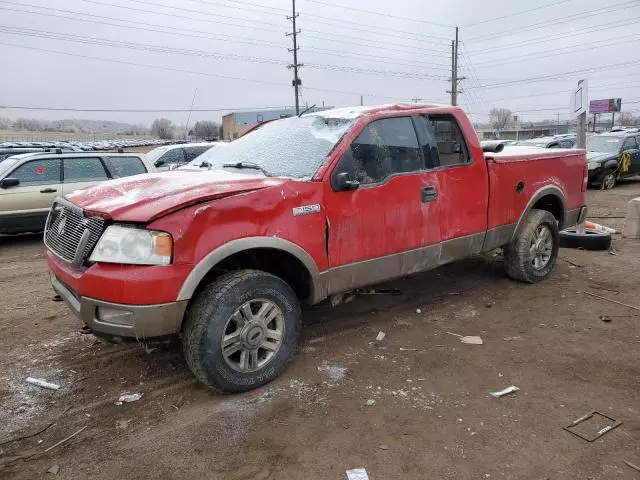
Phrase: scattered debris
{"type": "Point", "coordinates": [418, 311]}
{"type": "Point", "coordinates": [629, 464]}
{"type": "Point", "coordinates": [511, 339]}
{"type": "Point", "coordinates": [128, 398]}
{"type": "Point", "coordinates": [489, 305]}
{"type": "Point", "coordinates": [53, 470]}
{"type": "Point", "coordinates": [357, 474]}
{"type": "Point", "coordinates": [42, 383]}
{"type": "Point", "coordinates": [370, 402]}
{"type": "Point", "coordinates": [384, 447]}
{"type": "Point", "coordinates": [612, 301]}
{"type": "Point", "coordinates": [613, 423]}
{"type": "Point", "coordinates": [56, 298]}
{"type": "Point", "coordinates": [408, 349]}
{"type": "Point", "coordinates": [123, 424]}
{"type": "Point", "coordinates": [504, 391]}
{"type": "Point", "coordinates": [377, 291]}
{"type": "Point", "coordinates": [453, 293]}
{"type": "Point", "coordinates": [472, 340]}
{"type": "Point", "coordinates": [381, 336]}
{"type": "Point", "coordinates": [605, 319]}
{"type": "Point", "coordinates": [65, 439]}
{"type": "Point", "coordinates": [599, 228]}
{"type": "Point", "coordinates": [334, 373]}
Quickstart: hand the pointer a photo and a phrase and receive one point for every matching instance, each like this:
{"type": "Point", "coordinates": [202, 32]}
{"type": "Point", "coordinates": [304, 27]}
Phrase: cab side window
{"type": "Point", "coordinates": [383, 148]}
{"type": "Point", "coordinates": [38, 172]}
{"type": "Point", "coordinates": [452, 148]}
{"type": "Point", "coordinates": [194, 152]}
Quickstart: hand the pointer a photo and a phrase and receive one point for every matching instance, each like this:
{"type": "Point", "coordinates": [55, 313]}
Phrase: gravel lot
{"type": "Point", "coordinates": [432, 418]}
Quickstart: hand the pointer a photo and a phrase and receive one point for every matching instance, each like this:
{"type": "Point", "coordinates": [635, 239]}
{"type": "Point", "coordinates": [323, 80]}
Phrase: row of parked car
{"type": "Point", "coordinates": [30, 181]}
{"type": "Point", "coordinates": [611, 156]}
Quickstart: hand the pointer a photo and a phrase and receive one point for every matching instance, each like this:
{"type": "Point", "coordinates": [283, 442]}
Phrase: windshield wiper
{"type": "Point", "coordinates": [249, 165]}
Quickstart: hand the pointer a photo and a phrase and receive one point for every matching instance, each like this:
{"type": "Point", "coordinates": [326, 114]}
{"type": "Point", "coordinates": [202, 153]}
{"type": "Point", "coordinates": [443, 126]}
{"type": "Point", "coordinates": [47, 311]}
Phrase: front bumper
{"type": "Point", "coordinates": [126, 321]}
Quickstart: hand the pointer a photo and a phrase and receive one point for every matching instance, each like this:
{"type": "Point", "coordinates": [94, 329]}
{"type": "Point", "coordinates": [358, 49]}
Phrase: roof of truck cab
{"type": "Point", "coordinates": [360, 111]}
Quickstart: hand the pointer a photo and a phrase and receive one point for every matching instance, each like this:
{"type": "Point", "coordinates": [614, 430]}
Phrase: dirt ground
{"type": "Point", "coordinates": [432, 418]}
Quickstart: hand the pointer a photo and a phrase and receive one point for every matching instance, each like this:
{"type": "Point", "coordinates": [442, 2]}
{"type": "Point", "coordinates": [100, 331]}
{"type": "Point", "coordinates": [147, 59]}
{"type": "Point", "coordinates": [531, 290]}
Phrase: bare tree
{"type": "Point", "coordinates": [499, 118]}
{"type": "Point", "coordinates": [206, 129]}
{"type": "Point", "coordinates": [626, 119]}
{"type": "Point", "coordinates": [162, 128]}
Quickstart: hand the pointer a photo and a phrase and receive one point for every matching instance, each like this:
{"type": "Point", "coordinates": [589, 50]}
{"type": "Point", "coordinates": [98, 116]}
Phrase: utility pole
{"type": "Point", "coordinates": [455, 79]}
{"type": "Point", "coordinates": [296, 82]}
{"type": "Point", "coordinates": [361, 100]}
{"type": "Point", "coordinates": [613, 119]}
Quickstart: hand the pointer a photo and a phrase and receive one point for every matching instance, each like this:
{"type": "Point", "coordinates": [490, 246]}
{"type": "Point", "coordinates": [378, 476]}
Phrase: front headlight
{"type": "Point", "coordinates": [136, 246]}
{"type": "Point", "coordinates": [594, 165]}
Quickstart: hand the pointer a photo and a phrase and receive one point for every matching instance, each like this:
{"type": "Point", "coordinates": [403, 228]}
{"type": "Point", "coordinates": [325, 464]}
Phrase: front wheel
{"type": "Point", "coordinates": [241, 331]}
{"type": "Point", "coordinates": [532, 254]}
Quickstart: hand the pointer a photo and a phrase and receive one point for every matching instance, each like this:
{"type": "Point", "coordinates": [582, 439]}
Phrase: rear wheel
{"type": "Point", "coordinates": [241, 331]}
{"type": "Point", "coordinates": [532, 254]}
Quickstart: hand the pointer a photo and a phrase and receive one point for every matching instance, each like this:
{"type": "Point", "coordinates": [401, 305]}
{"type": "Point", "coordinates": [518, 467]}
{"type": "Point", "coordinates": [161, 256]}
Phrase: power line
{"type": "Point", "coordinates": [556, 75]}
{"type": "Point", "coordinates": [179, 70]}
{"type": "Point", "coordinates": [200, 53]}
{"type": "Point", "coordinates": [555, 21]}
{"type": "Point", "coordinates": [564, 51]}
{"type": "Point", "coordinates": [136, 110]}
{"type": "Point", "coordinates": [493, 19]}
{"type": "Point", "coordinates": [386, 15]}
{"type": "Point", "coordinates": [218, 37]}
{"type": "Point", "coordinates": [549, 38]}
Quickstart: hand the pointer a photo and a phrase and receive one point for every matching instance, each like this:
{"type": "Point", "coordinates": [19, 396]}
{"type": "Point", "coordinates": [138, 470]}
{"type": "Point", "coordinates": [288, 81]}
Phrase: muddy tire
{"type": "Point", "coordinates": [241, 331]}
{"type": "Point", "coordinates": [532, 254]}
{"type": "Point", "coordinates": [608, 180]}
{"type": "Point", "coordinates": [589, 240]}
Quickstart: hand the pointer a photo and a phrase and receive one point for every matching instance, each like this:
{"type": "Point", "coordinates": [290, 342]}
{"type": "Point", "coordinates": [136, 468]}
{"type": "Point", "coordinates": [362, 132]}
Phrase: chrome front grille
{"type": "Point", "coordinates": [69, 233]}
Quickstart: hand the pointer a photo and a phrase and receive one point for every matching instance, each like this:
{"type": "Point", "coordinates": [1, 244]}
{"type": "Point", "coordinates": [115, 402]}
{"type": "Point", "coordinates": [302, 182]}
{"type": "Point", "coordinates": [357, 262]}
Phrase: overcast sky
{"type": "Point", "coordinates": [234, 52]}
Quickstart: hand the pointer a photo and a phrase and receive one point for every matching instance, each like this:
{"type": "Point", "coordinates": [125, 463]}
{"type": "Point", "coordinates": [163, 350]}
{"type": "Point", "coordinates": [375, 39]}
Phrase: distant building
{"type": "Point", "coordinates": [236, 124]}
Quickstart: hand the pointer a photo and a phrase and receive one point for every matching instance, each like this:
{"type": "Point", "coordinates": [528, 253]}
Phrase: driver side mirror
{"type": "Point", "coordinates": [9, 182]}
{"type": "Point", "coordinates": [159, 163]}
{"type": "Point", "coordinates": [342, 182]}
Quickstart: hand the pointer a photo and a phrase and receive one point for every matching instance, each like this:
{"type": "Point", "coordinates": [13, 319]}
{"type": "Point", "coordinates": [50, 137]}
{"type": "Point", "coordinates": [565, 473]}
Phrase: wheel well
{"type": "Point", "coordinates": [277, 262]}
{"type": "Point", "coordinates": [553, 205]}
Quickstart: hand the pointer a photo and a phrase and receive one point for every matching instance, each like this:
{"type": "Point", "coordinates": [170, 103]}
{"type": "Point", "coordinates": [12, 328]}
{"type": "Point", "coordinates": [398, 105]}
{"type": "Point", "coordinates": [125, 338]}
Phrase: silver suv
{"type": "Point", "coordinates": [30, 182]}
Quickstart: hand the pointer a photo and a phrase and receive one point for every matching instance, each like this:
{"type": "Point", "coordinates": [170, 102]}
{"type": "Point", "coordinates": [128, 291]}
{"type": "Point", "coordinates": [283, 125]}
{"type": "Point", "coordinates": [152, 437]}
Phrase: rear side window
{"type": "Point", "coordinates": [629, 143]}
{"type": "Point", "coordinates": [126, 166]}
{"type": "Point", "coordinates": [194, 152]}
{"type": "Point", "coordinates": [38, 172]}
{"type": "Point", "coordinates": [452, 148]}
{"type": "Point", "coordinates": [383, 148]}
{"type": "Point", "coordinates": [83, 170]}
{"type": "Point", "coordinates": [172, 156]}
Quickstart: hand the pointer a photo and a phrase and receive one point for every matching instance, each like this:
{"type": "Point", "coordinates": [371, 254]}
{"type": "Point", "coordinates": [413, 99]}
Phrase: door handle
{"type": "Point", "coordinates": [48, 190]}
{"type": "Point", "coordinates": [428, 194]}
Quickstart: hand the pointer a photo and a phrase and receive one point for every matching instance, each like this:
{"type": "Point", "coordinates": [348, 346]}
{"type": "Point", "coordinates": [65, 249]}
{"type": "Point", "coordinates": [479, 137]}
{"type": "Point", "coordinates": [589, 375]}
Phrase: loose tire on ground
{"type": "Point", "coordinates": [231, 306]}
{"type": "Point", "coordinates": [590, 240]}
{"type": "Point", "coordinates": [532, 254]}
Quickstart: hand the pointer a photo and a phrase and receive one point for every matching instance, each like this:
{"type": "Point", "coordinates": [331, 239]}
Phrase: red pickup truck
{"type": "Point", "coordinates": [224, 251]}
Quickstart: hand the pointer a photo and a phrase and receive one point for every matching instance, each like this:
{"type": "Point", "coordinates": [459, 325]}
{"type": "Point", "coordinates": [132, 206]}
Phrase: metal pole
{"type": "Point", "coordinates": [455, 72]}
{"type": "Point", "coordinates": [186, 127]}
{"type": "Point", "coordinates": [453, 76]}
{"type": "Point", "coordinates": [295, 66]}
{"type": "Point", "coordinates": [613, 119]}
{"type": "Point", "coordinates": [361, 100]}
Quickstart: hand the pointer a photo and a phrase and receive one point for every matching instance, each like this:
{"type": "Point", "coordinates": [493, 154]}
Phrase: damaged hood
{"type": "Point", "coordinates": [600, 156]}
{"type": "Point", "coordinates": [144, 198]}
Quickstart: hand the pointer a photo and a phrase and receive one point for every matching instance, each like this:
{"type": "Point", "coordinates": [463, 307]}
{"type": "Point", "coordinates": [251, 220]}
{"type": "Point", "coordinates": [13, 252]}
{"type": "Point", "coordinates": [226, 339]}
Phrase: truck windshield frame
{"type": "Point", "coordinates": [293, 147]}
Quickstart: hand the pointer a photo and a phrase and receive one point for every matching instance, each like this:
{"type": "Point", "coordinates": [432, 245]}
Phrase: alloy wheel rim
{"type": "Point", "coordinates": [541, 247]}
{"type": "Point", "coordinates": [253, 335]}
